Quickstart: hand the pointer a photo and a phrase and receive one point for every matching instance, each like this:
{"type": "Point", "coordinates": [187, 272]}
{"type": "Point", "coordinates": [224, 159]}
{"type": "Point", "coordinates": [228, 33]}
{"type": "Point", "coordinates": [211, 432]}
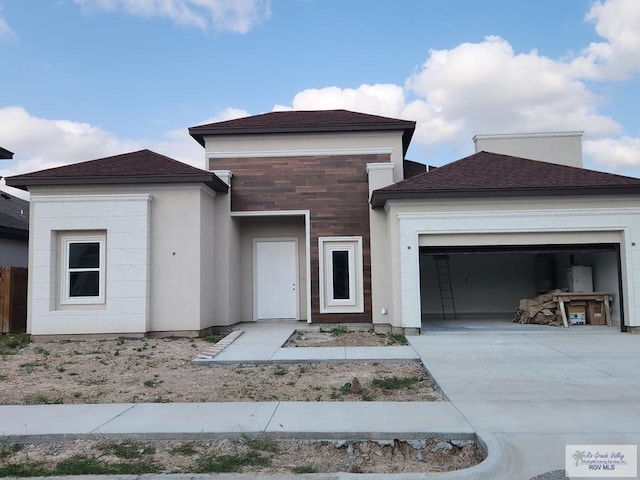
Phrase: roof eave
{"type": "Point", "coordinates": [211, 181]}
{"type": "Point", "coordinates": [408, 127]}
{"type": "Point", "coordinates": [380, 197]}
{"type": "Point", "coordinates": [14, 233]}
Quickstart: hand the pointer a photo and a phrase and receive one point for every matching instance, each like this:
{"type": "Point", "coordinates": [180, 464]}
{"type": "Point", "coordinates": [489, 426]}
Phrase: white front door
{"type": "Point", "coordinates": [275, 279]}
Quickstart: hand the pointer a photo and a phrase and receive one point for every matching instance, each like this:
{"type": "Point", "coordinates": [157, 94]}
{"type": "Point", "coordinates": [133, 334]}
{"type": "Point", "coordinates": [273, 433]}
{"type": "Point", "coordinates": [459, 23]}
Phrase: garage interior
{"type": "Point", "coordinates": [486, 283]}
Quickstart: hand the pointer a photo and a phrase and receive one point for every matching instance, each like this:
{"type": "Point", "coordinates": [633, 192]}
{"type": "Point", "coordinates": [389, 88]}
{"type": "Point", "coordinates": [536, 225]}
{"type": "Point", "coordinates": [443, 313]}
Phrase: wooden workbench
{"type": "Point", "coordinates": [561, 298]}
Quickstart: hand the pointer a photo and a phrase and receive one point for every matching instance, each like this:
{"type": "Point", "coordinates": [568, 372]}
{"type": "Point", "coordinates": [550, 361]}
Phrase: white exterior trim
{"type": "Point", "coordinates": [298, 153]}
{"type": "Point", "coordinates": [355, 302]}
{"type": "Point", "coordinates": [66, 239]}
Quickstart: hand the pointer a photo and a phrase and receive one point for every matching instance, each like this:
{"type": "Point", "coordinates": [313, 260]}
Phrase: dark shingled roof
{"type": "Point", "coordinates": [300, 121]}
{"type": "Point", "coordinates": [14, 216]}
{"type": "Point", "coordinates": [143, 166]}
{"type": "Point", "coordinates": [5, 154]}
{"type": "Point", "coordinates": [486, 174]}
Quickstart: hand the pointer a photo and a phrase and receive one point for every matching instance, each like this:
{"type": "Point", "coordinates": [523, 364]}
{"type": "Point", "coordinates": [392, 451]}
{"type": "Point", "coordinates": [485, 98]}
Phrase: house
{"type": "Point", "coordinates": [14, 226]}
{"type": "Point", "coordinates": [317, 216]}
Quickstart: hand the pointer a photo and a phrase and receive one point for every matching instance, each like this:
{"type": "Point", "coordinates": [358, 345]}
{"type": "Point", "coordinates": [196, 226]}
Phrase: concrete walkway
{"type": "Point", "coordinates": [525, 394]}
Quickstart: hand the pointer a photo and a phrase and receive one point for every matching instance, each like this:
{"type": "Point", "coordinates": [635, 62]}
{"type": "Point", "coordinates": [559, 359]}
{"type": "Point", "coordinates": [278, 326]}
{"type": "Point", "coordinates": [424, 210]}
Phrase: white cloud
{"type": "Point", "coordinates": [5, 30]}
{"type": "Point", "coordinates": [223, 15]}
{"type": "Point", "coordinates": [41, 143]}
{"type": "Point", "coordinates": [616, 21]}
{"type": "Point", "coordinates": [616, 154]}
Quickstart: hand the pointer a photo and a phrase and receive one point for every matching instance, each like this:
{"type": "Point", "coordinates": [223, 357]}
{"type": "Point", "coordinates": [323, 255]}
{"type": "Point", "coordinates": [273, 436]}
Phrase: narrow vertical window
{"type": "Point", "coordinates": [340, 269]}
{"type": "Point", "coordinates": [341, 275]}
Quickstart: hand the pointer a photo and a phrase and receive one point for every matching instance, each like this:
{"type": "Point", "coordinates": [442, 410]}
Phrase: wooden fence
{"type": "Point", "coordinates": [13, 299]}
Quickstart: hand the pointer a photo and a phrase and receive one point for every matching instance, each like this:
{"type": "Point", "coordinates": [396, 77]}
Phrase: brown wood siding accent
{"type": "Point", "coordinates": [335, 190]}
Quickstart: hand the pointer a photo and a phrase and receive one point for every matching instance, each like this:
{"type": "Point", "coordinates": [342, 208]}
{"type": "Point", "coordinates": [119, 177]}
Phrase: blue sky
{"type": "Point", "coordinates": [83, 79]}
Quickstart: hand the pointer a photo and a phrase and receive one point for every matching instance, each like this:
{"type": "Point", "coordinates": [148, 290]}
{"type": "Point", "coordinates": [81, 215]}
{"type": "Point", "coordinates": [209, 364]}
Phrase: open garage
{"type": "Point", "coordinates": [485, 283]}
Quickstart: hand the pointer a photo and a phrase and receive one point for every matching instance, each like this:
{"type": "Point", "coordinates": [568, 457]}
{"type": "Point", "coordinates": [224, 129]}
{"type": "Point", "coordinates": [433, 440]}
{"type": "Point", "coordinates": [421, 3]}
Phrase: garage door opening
{"type": "Point", "coordinates": [478, 286]}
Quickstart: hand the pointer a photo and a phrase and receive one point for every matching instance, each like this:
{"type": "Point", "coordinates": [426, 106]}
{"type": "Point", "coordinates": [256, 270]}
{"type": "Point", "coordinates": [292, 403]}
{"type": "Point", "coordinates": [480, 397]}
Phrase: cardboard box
{"type": "Point", "coordinates": [577, 313]}
{"type": "Point", "coordinates": [595, 313]}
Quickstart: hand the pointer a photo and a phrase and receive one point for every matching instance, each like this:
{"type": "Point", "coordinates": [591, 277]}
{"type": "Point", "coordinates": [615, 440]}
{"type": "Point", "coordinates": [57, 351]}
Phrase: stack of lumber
{"type": "Point", "coordinates": [540, 310]}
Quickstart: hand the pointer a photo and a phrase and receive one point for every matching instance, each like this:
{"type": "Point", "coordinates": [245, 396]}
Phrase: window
{"type": "Point", "coordinates": [83, 269]}
{"type": "Point", "coordinates": [341, 275]}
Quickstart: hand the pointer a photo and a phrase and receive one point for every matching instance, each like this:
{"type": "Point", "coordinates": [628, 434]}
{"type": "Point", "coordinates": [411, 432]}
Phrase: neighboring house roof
{"type": "Point", "coordinates": [143, 166]}
{"type": "Point", "coordinates": [5, 154]}
{"type": "Point", "coordinates": [310, 121]}
{"type": "Point", "coordinates": [486, 174]}
{"type": "Point", "coordinates": [14, 216]}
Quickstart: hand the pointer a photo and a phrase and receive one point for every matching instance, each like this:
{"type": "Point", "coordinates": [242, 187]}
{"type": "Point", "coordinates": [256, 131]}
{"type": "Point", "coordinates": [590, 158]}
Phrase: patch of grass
{"type": "Point", "coordinates": [365, 397]}
{"type": "Point", "coordinates": [29, 367]}
{"type": "Point", "coordinates": [31, 469]}
{"type": "Point", "coordinates": [42, 351]}
{"type": "Point", "coordinates": [12, 343]}
{"type": "Point", "coordinates": [259, 444]}
{"type": "Point", "coordinates": [339, 332]}
{"type": "Point", "coordinates": [303, 469]}
{"type": "Point", "coordinates": [230, 463]}
{"type": "Point", "coordinates": [8, 449]}
{"type": "Point", "coordinates": [42, 399]}
{"type": "Point", "coordinates": [3, 377]}
{"type": "Point", "coordinates": [127, 450]}
{"type": "Point", "coordinates": [346, 388]}
{"type": "Point", "coordinates": [394, 383]}
{"type": "Point", "coordinates": [184, 449]}
{"type": "Point", "coordinates": [280, 370]}
{"type": "Point", "coordinates": [82, 465]}
{"type": "Point", "coordinates": [394, 338]}
{"type": "Point", "coordinates": [213, 338]}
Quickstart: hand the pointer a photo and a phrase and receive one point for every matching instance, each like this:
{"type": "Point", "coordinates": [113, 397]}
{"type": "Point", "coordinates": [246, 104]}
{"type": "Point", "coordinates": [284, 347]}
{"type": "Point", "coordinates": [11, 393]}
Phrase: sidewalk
{"type": "Point", "coordinates": [525, 395]}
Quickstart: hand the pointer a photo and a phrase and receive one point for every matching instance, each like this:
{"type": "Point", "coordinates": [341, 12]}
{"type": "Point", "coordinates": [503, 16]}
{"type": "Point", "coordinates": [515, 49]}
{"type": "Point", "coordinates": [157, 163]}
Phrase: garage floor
{"type": "Point", "coordinates": [486, 325]}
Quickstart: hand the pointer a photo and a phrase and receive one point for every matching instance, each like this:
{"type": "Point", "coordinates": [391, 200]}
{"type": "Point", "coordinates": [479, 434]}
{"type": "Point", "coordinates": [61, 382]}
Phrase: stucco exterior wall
{"type": "Point", "coordinates": [158, 238]}
{"type": "Point", "coordinates": [515, 220]}
{"type": "Point", "coordinates": [564, 148]}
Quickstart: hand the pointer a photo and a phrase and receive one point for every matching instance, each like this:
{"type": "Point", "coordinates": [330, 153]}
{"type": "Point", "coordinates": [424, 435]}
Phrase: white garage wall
{"type": "Point", "coordinates": [485, 285]}
{"type": "Point", "coordinates": [591, 218]}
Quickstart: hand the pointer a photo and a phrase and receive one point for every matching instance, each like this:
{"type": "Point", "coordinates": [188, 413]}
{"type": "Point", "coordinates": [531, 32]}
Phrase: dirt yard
{"type": "Point", "coordinates": [160, 370]}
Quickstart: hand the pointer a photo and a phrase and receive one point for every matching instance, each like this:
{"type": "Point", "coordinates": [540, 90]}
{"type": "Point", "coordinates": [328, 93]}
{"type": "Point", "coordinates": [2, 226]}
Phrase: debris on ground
{"type": "Point", "coordinates": [541, 310]}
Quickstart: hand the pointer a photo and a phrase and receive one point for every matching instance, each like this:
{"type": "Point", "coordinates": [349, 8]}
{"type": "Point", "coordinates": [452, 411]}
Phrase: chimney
{"type": "Point", "coordinates": [564, 148]}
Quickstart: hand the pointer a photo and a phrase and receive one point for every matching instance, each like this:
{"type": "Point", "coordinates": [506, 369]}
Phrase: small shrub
{"type": "Point", "coordinates": [280, 370]}
{"type": "Point", "coordinates": [339, 332]}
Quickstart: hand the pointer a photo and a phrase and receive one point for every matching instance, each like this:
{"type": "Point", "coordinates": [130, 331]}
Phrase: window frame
{"type": "Point", "coordinates": [66, 271]}
{"type": "Point", "coordinates": [353, 246]}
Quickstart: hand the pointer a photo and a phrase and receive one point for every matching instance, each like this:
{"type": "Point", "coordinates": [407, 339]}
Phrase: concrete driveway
{"type": "Point", "coordinates": [536, 392]}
